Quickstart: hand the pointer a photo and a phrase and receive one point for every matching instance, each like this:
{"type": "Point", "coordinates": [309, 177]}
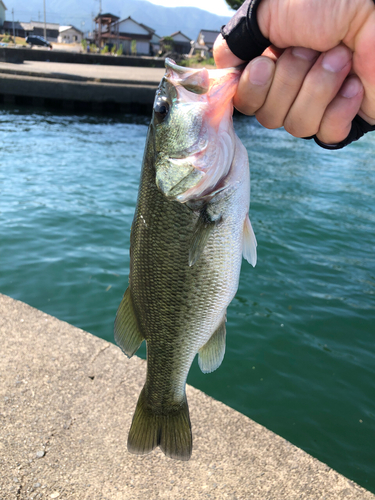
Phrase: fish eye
{"type": "Point", "coordinates": [161, 109]}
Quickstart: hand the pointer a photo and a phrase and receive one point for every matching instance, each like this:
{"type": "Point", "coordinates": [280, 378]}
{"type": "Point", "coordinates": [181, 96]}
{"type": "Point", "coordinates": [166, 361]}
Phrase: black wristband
{"type": "Point", "coordinates": [242, 33]}
{"type": "Point", "coordinates": [359, 128]}
{"type": "Point", "coordinates": [246, 41]}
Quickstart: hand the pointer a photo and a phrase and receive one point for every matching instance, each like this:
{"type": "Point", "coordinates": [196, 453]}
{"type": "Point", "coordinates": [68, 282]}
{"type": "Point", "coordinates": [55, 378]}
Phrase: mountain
{"type": "Point", "coordinates": [164, 20]}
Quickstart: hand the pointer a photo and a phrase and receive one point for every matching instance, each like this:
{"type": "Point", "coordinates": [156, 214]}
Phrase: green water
{"type": "Point", "coordinates": [300, 346]}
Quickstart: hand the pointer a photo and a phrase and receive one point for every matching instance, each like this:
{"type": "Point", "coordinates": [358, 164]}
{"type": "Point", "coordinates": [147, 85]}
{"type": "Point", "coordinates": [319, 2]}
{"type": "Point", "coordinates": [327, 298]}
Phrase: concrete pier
{"type": "Point", "coordinates": [79, 87]}
{"type": "Point", "coordinates": [66, 403]}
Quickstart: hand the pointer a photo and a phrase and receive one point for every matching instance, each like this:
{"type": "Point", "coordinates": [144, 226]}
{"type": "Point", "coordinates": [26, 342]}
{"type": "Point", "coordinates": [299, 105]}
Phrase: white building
{"type": "Point", "coordinates": [69, 34]}
{"type": "Point", "coordinates": [155, 44]}
{"type": "Point", "coordinates": [181, 43]}
{"type": "Point", "coordinates": [128, 31]}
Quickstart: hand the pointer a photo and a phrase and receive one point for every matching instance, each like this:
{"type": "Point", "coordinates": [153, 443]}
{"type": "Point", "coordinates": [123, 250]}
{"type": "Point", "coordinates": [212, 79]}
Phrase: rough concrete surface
{"type": "Point", "coordinates": [85, 72]}
{"type": "Point", "coordinates": [66, 403]}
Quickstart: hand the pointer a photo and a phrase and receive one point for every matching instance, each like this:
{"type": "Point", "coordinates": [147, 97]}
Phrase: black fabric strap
{"type": "Point", "coordinates": [242, 33]}
{"type": "Point", "coordinates": [359, 128]}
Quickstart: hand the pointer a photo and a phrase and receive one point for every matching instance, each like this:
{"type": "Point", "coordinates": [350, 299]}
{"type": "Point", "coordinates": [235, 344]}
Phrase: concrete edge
{"type": "Point", "coordinates": [77, 78]}
{"type": "Point", "coordinates": [66, 403]}
{"type": "Point", "coordinates": [69, 95]}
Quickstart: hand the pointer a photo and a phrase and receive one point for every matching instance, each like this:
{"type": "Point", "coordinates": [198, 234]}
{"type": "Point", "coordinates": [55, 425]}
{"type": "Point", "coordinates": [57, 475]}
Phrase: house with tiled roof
{"type": "Point", "coordinates": [69, 34]}
{"type": "Point", "coordinates": [134, 37]}
{"type": "Point", "coordinates": [181, 43]}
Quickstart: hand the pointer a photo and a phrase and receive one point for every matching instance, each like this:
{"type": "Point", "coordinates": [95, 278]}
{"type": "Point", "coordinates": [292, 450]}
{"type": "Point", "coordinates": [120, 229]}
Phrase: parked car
{"type": "Point", "coordinates": [38, 40]}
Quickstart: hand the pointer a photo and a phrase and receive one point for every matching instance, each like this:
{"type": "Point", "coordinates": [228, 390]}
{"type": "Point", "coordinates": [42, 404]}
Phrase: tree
{"type": "Point", "coordinates": [234, 4]}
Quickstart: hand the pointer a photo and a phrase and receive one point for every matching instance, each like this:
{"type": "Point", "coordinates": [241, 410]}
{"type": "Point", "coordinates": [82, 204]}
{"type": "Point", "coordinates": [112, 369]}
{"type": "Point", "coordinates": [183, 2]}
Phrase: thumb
{"type": "Point", "coordinates": [224, 57]}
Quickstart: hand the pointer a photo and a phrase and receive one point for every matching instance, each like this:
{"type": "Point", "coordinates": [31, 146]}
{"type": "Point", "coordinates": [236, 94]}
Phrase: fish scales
{"type": "Point", "coordinates": [185, 255]}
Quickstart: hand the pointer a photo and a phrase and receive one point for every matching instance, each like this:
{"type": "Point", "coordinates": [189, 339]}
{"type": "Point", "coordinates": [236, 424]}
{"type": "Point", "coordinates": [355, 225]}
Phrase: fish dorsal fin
{"type": "Point", "coordinates": [211, 355]}
{"type": "Point", "coordinates": [127, 334]}
{"type": "Point", "coordinates": [249, 249]}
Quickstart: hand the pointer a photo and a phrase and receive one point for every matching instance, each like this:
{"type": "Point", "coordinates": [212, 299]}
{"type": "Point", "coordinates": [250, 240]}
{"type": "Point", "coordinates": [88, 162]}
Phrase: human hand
{"type": "Point", "coordinates": [306, 92]}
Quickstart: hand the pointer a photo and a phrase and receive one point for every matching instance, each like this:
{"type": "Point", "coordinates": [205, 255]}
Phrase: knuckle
{"type": "Point", "coordinates": [268, 120]}
{"type": "Point", "coordinates": [331, 133]}
{"type": "Point", "coordinates": [245, 108]}
{"type": "Point", "coordinates": [298, 129]}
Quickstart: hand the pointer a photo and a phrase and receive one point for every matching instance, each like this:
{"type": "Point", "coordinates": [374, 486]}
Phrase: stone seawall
{"type": "Point", "coordinates": [66, 403]}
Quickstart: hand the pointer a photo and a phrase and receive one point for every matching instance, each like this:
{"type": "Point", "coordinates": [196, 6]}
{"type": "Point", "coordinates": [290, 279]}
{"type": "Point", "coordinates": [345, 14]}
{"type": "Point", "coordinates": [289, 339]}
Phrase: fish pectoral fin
{"type": "Point", "coordinates": [127, 333]}
{"type": "Point", "coordinates": [249, 249]}
{"type": "Point", "coordinates": [203, 228]}
{"type": "Point", "coordinates": [211, 355]}
{"type": "Point", "coordinates": [171, 430]}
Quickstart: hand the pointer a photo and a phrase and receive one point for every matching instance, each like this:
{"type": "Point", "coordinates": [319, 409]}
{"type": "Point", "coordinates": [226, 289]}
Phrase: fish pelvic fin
{"type": "Point", "coordinates": [211, 355]}
{"type": "Point", "coordinates": [171, 430]}
{"type": "Point", "coordinates": [249, 249]}
{"type": "Point", "coordinates": [127, 333]}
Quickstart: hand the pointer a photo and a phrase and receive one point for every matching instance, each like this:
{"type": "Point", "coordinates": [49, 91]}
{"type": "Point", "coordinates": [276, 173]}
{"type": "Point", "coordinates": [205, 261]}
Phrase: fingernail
{"type": "Point", "coordinates": [260, 71]}
{"type": "Point", "coordinates": [303, 53]}
{"type": "Point", "coordinates": [335, 60]}
{"type": "Point", "coordinates": [351, 88]}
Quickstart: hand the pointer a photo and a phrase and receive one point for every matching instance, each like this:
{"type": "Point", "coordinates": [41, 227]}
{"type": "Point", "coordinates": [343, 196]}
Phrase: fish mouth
{"type": "Point", "coordinates": [196, 80]}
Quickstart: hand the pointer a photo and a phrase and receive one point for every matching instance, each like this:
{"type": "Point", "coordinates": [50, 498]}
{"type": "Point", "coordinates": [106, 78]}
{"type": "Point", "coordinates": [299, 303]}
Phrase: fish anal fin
{"type": "Point", "coordinates": [171, 430]}
{"type": "Point", "coordinates": [249, 249]}
{"type": "Point", "coordinates": [211, 355]}
{"type": "Point", "coordinates": [127, 333]}
{"type": "Point", "coordinates": [202, 231]}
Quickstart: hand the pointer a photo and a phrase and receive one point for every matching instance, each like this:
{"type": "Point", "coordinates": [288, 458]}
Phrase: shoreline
{"type": "Point", "coordinates": [79, 87]}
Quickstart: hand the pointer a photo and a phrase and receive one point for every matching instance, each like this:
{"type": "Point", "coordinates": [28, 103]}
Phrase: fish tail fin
{"type": "Point", "coordinates": [171, 431]}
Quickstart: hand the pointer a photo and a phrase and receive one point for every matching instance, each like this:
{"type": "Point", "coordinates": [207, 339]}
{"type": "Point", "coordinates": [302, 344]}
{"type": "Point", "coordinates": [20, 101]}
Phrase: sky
{"type": "Point", "coordinates": [219, 7]}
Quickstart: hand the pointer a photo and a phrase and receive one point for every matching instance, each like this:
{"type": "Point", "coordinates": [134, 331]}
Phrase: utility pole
{"type": "Point", "coordinates": [14, 33]}
{"type": "Point", "coordinates": [45, 26]}
{"type": "Point", "coordinates": [100, 23]}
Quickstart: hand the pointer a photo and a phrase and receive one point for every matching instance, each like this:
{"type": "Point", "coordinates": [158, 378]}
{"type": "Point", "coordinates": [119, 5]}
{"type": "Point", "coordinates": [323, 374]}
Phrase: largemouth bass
{"type": "Point", "coordinates": [190, 230]}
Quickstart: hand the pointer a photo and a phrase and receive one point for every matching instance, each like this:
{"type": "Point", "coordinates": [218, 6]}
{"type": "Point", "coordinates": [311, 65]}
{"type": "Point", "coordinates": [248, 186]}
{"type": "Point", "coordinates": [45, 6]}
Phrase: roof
{"type": "Point", "coordinates": [3, 4]}
{"type": "Point", "coordinates": [155, 38]}
{"type": "Point", "coordinates": [147, 28]}
{"type": "Point", "coordinates": [37, 24]}
{"type": "Point", "coordinates": [108, 17]}
{"type": "Point", "coordinates": [209, 36]}
{"type": "Point", "coordinates": [9, 24]}
{"type": "Point", "coordinates": [66, 28]}
{"type": "Point", "coordinates": [180, 33]}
